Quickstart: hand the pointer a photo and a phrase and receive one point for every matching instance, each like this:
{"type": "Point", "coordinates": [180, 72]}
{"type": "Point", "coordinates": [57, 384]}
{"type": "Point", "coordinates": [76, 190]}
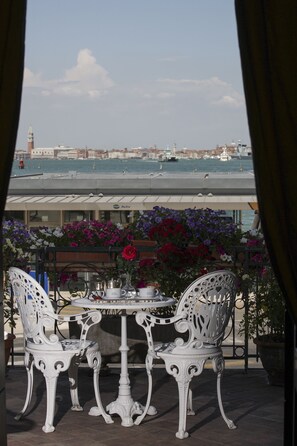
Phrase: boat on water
{"type": "Point", "coordinates": [242, 152]}
{"type": "Point", "coordinates": [168, 156]}
{"type": "Point", "coordinates": [224, 156]}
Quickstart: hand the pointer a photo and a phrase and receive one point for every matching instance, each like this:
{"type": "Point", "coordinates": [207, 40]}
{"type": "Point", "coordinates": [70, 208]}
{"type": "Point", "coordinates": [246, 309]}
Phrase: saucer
{"type": "Point", "coordinates": [111, 298]}
{"type": "Point", "coordinates": [154, 297]}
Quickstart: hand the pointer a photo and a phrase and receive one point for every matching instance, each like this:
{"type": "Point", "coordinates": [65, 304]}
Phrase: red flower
{"type": "Point", "coordinates": [254, 242]}
{"type": "Point", "coordinates": [200, 251]}
{"type": "Point", "coordinates": [168, 230]}
{"type": "Point", "coordinates": [129, 252]}
{"type": "Point", "coordinates": [147, 262]}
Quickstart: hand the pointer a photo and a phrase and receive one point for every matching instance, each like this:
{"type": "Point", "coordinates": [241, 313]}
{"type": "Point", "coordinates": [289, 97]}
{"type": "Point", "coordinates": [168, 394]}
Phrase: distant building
{"type": "Point", "coordinates": [43, 152]}
{"type": "Point", "coordinates": [30, 140]}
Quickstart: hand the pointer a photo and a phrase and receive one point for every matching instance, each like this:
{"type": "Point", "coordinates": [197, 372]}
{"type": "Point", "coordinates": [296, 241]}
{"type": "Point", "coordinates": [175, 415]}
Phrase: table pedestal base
{"type": "Point", "coordinates": [125, 409]}
{"type": "Point", "coordinates": [124, 405]}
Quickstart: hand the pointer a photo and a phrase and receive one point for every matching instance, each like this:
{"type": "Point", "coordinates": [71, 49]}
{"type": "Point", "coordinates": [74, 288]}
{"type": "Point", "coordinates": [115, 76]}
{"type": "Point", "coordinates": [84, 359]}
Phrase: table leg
{"type": "Point", "coordinates": [124, 405]}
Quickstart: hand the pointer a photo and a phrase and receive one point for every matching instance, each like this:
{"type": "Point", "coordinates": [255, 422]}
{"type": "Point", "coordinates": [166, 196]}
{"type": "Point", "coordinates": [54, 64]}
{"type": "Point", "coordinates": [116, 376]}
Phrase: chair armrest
{"type": "Point", "coordinates": [86, 320]}
{"type": "Point", "coordinates": [147, 321]}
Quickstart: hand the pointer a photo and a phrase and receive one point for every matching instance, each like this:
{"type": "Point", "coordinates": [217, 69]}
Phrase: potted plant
{"type": "Point", "coordinates": [76, 236]}
{"type": "Point", "coordinates": [189, 243]}
{"type": "Point", "coordinates": [16, 244]}
{"type": "Point", "coordinates": [9, 311]}
{"type": "Point", "coordinates": [264, 319]}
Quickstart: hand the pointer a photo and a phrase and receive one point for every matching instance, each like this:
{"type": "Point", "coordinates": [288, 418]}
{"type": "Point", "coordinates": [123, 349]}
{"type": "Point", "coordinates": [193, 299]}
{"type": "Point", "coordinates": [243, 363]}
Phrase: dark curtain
{"type": "Point", "coordinates": [12, 43]}
{"type": "Point", "coordinates": [267, 33]}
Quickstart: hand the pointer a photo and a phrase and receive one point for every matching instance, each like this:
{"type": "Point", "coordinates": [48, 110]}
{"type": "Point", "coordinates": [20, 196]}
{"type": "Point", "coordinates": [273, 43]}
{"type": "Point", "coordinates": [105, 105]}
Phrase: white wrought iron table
{"type": "Point", "coordinates": [124, 405]}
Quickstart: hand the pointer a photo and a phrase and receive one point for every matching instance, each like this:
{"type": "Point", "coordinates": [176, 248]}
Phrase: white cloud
{"type": "Point", "coordinates": [31, 79]}
{"type": "Point", "coordinates": [230, 101]}
{"type": "Point", "coordinates": [213, 91]}
{"type": "Point", "coordinates": [86, 78]}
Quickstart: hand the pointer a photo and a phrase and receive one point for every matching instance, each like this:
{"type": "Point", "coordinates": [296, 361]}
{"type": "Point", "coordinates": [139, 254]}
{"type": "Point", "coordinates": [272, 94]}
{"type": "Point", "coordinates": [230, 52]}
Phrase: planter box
{"type": "Point", "coordinates": [82, 257]}
{"type": "Point", "coordinates": [77, 260]}
{"type": "Point", "coordinates": [146, 248]}
{"type": "Point", "coordinates": [272, 355]}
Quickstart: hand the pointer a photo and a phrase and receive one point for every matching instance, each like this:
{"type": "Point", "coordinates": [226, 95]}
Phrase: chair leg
{"type": "Point", "coordinates": [28, 362]}
{"type": "Point", "coordinates": [218, 366]}
{"type": "Point", "coordinates": [190, 410]}
{"type": "Point", "coordinates": [51, 387]}
{"type": "Point", "coordinates": [73, 380]}
{"type": "Point", "coordinates": [51, 368]}
{"type": "Point", "coordinates": [183, 393]}
{"type": "Point", "coordinates": [94, 362]}
{"type": "Point", "coordinates": [183, 371]}
{"type": "Point", "coordinates": [149, 367]}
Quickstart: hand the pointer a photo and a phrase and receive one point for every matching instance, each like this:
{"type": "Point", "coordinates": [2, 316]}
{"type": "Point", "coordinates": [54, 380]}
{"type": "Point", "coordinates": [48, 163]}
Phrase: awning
{"type": "Point", "coordinates": [129, 202]}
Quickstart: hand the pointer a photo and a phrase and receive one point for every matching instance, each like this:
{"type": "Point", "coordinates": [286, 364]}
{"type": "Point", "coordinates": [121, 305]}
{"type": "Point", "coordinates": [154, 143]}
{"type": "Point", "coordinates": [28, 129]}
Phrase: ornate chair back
{"type": "Point", "coordinates": [35, 308]}
{"type": "Point", "coordinates": [206, 306]}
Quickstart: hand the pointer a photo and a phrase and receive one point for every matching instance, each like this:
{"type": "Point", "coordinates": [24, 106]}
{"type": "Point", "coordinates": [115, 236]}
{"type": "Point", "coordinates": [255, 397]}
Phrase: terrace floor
{"type": "Point", "coordinates": [255, 407]}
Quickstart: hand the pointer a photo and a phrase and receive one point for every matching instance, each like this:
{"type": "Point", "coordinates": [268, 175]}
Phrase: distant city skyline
{"type": "Point", "coordinates": [109, 74]}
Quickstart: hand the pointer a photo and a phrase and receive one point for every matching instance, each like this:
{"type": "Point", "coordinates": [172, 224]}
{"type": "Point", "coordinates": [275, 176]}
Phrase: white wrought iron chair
{"type": "Point", "coordinates": [203, 313]}
{"type": "Point", "coordinates": [50, 354]}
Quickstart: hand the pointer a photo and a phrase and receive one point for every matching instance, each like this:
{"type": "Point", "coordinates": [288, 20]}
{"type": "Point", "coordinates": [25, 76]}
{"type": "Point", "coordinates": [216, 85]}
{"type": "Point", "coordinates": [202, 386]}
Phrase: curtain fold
{"type": "Point", "coordinates": [12, 49]}
{"type": "Point", "coordinates": [267, 34]}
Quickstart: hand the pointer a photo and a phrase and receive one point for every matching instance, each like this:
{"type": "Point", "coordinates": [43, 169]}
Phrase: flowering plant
{"type": "Point", "coordinates": [16, 244]}
{"type": "Point", "coordinates": [145, 220]}
{"type": "Point", "coordinates": [91, 233]}
{"type": "Point", "coordinates": [126, 260]}
{"type": "Point", "coordinates": [212, 228]}
{"type": "Point", "coordinates": [169, 230]}
{"type": "Point", "coordinates": [189, 243]}
{"type": "Point", "coordinates": [174, 267]}
{"type": "Point", "coordinates": [266, 305]}
{"type": "Point", "coordinates": [94, 233]}
{"type": "Point", "coordinates": [190, 226]}
{"type": "Point", "coordinates": [44, 237]}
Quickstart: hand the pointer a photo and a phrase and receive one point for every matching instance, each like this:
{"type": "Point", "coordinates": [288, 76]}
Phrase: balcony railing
{"type": "Point", "coordinates": [71, 273]}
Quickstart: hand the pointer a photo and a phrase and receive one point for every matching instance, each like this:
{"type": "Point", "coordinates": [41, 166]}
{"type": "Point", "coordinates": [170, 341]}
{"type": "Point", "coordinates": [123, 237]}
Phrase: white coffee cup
{"type": "Point", "coordinates": [114, 283]}
{"type": "Point", "coordinates": [115, 293]}
{"type": "Point", "coordinates": [148, 292]}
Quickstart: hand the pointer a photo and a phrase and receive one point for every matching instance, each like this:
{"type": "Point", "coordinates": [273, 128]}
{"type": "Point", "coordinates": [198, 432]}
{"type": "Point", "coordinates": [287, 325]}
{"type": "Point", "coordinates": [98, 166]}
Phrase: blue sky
{"type": "Point", "coordinates": [132, 73]}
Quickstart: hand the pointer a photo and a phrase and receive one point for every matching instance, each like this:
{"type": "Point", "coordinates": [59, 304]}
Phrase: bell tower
{"type": "Point", "coordinates": [30, 141]}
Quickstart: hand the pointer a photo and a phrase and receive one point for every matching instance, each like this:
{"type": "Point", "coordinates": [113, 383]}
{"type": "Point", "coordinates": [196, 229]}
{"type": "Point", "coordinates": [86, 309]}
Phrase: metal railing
{"type": "Point", "coordinates": [70, 273]}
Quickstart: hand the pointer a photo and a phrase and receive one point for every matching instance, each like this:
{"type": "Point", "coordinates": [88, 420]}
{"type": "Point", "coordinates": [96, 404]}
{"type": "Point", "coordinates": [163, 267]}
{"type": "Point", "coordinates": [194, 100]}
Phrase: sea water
{"type": "Point", "coordinates": [39, 166]}
{"type": "Point", "coordinates": [36, 166]}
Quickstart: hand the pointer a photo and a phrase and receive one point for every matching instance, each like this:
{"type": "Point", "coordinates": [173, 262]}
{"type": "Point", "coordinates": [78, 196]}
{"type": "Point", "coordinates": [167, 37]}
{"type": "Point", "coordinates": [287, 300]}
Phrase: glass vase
{"type": "Point", "coordinates": [128, 287]}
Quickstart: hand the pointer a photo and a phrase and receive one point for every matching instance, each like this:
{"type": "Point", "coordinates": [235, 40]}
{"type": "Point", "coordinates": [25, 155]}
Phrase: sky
{"type": "Point", "coordinates": [110, 74]}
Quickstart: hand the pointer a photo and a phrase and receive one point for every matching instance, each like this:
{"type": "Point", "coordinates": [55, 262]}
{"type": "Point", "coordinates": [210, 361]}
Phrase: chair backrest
{"type": "Point", "coordinates": [34, 307]}
{"type": "Point", "coordinates": [207, 305]}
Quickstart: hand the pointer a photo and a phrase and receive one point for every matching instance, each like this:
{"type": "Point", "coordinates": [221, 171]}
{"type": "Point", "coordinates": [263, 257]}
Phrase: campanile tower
{"type": "Point", "coordinates": [30, 141]}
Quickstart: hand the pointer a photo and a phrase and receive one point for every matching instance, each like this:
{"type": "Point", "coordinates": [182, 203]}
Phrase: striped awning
{"type": "Point", "coordinates": [128, 202]}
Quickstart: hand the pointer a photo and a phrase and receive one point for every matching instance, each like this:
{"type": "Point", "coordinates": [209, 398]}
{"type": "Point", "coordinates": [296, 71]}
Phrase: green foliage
{"type": "Point", "coordinates": [266, 306]}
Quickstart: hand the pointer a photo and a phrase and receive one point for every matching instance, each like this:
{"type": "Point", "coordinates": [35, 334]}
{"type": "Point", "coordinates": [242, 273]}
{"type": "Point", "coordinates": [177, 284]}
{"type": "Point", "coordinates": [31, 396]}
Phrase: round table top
{"type": "Point", "coordinates": [124, 304]}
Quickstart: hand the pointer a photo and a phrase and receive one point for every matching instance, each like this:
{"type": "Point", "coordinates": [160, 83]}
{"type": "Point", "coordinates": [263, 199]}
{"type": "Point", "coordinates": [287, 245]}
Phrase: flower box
{"type": "Point", "coordinates": [146, 248]}
{"type": "Point", "coordinates": [82, 257]}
